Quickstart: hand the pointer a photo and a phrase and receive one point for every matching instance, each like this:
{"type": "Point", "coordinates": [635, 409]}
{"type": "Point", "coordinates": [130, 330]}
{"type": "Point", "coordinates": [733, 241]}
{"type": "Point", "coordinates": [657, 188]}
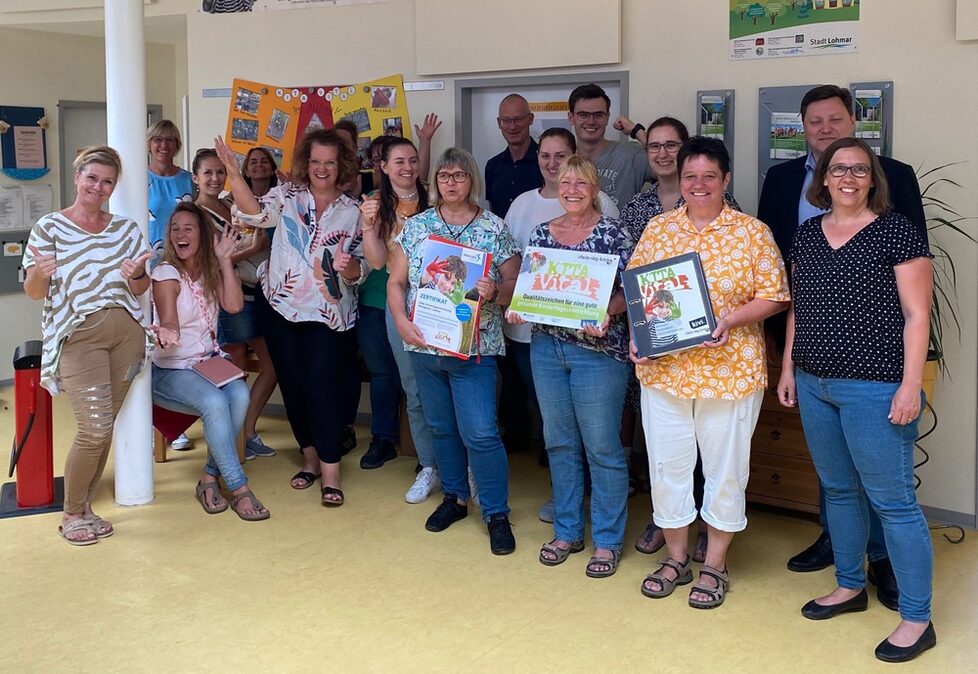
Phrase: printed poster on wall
{"type": "Point", "coordinates": [276, 117]}
{"type": "Point", "coordinates": [779, 28]}
{"type": "Point", "coordinates": [566, 288]}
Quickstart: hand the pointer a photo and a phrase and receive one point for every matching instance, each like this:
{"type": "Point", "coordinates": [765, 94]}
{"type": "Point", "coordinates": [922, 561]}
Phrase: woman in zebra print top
{"type": "Point", "coordinates": [89, 267]}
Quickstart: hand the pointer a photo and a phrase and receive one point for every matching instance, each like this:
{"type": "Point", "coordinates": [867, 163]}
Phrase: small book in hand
{"type": "Point", "coordinates": [218, 371]}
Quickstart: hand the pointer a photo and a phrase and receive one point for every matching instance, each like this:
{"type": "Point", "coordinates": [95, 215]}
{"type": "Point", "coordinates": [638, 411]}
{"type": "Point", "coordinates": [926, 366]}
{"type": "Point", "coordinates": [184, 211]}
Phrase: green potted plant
{"type": "Point", "coordinates": [944, 218]}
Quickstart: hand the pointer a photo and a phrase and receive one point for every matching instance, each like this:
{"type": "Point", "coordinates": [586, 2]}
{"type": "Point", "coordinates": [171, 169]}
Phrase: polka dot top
{"type": "Point", "coordinates": [848, 320]}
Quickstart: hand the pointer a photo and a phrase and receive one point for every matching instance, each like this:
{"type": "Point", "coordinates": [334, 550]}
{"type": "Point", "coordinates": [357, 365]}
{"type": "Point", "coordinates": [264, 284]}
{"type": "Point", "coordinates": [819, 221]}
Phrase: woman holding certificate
{"type": "Point", "coordinates": [855, 349]}
{"type": "Point", "coordinates": [580, 377]}
{"type": "Point", "coordinates": [458, 392]}
{"type": "Point", "coordinates": [306, 301]}
{"type": "Point", "coordinates": [194, 280]}
{"type": "Point", "coordinates": [707, 396]}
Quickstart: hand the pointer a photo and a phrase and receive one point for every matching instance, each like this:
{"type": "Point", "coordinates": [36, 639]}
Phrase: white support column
{"type": "Point", "coordinates": [125, 98]}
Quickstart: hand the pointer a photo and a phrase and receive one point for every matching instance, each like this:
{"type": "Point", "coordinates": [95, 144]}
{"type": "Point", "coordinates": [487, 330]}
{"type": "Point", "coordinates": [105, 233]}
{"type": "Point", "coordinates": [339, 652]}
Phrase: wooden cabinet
{"type": "Point", "coordinates": [781, 470]}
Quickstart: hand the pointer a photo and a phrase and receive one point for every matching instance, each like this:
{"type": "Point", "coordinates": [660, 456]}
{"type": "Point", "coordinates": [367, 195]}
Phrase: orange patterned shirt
{"type": "Point", "coordinates": [741, 262]}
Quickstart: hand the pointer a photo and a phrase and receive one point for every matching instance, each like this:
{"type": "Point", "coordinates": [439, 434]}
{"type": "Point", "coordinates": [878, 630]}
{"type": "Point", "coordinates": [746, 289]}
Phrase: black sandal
{"type": "Point", "coordinates": [332, 491]}
{"type": "Point", "coordinates": [308, 479]}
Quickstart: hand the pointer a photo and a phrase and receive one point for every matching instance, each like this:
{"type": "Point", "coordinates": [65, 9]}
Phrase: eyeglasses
{"type": "Point", "coordinates": [161, 139]}
{"type": "Point", "coordinates": [506, 121]}
{"type": "Point", "coordinates": [583, 116]}
{"type": "Point", "coordinates": [857, 170]}
{"type": "Point", "coordinates": [670, 146]}
{"type": "Point", "coordinates": [458, 177]}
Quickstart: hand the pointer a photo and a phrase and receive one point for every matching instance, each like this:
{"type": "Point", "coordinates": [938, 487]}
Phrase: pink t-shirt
{"type": "Point", "coordinates": [198, 323]}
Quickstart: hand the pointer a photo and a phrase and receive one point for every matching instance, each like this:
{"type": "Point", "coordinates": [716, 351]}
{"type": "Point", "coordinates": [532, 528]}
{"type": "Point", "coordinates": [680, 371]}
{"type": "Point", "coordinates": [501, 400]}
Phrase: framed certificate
{"type": "Point", "coordinates": [446, 307]}
{"type": "Point", "coordinates": [566, 288]}
{"type": "Point", "coordinates": [668, 305]}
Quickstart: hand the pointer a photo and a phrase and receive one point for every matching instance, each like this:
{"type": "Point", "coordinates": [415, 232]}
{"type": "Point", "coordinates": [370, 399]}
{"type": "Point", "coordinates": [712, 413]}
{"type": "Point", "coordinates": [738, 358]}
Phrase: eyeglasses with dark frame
{"type": "Point", "coordinates": [457, 176]}
{"type": "Point", "coordinates": [857, 170]}
{"type": "Point", "coordinates": [583, 115]}
{"type": "Point", "coordinates": [670, 146]}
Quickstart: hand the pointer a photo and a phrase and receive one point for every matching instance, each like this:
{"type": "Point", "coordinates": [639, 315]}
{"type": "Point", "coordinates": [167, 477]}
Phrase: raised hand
{"type": "Point", "coordinates": [46, 265]}
{"type": "Point", "coordinates": [226, 242]}
{"type": "Point", "coordinates": [227, 157]}
{"type": "Point", "coordinates": [624, 124]}
{"type": "Point", "coordinates": [428, 127]}
{"type": "Point", "coordinates": [135, 267]}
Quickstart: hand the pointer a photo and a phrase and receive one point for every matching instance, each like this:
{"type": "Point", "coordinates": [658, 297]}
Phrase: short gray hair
{"type": "Point", "coordinates": [463, 159]}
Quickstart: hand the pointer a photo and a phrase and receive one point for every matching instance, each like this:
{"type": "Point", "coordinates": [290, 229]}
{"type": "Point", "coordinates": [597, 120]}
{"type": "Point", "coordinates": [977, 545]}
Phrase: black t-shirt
{"type": "Point", "coordinates": [848, 320]}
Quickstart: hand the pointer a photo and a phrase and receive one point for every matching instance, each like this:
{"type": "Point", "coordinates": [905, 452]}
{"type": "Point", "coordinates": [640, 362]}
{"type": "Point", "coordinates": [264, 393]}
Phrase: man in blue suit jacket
{"type": "Point", "coordinates": [827, 115]}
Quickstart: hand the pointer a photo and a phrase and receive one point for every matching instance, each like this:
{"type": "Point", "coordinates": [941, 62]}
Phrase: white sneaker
{"type": "Point", "coordinates": [181, 443]}
{"type": "Point", "coordinates": [473, 489]}
{"type": "Point", "coordinates": [425, 483]}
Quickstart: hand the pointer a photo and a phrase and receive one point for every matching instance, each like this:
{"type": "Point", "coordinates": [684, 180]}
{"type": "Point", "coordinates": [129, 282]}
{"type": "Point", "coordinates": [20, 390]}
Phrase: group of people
{"type": "Point", "coordinates": [341, 274]}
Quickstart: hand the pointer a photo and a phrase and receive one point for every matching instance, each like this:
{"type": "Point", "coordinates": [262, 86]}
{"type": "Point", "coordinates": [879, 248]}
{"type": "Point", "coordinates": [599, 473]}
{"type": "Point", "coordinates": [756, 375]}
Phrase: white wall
{"type": "Point", "coordinates": [40, 68]}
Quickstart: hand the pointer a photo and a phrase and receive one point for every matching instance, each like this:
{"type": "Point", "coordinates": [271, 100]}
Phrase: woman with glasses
{"type": "Point", "coordinates": [458, 396]}
{"type": "Point", "coordinates": [307, 311]}
{"type": "Point", "coordinates": [854, 356]}
{"type": "Point", "coordinates": [664, 138]}
{"type": "Point", "coordinates": [168, 183]}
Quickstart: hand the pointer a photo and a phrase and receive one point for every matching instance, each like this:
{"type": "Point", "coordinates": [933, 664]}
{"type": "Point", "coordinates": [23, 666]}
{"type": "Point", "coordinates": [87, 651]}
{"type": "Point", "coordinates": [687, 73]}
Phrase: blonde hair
{"type": "Point", "coordinates": [98, 154]}
{"type": "Point", "coordinates": [164, 126]}
{"type": "Point", "coordinates": [582, 168]}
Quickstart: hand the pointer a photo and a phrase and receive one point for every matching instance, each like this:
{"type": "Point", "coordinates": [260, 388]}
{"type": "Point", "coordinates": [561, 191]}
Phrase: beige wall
{"type": "Point", "coordinates": [39, 69]}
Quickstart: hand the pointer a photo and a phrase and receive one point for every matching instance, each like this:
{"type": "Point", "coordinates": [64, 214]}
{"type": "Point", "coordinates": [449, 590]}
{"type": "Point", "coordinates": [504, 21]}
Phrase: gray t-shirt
{"type": "Point", "coordinates": [623, 169]}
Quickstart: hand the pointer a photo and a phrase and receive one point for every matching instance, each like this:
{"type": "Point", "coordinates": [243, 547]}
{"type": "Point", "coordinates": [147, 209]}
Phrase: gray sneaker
{"type": "Point", "coordinates": [254, 446]}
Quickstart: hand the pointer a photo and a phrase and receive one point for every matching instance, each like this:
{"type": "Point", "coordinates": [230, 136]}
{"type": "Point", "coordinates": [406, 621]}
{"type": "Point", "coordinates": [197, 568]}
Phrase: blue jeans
{"type": "Point", "coordinates": [459, 401]}
{"type": "Point", "coordinates": [861, 456]}
{"type": "Point", "coordinates": [420, 432]}
{"type": "Point", "coordinates": [222, 411]}
{"type": "Point", "coordinates": [385, 387]}
{"type": "Point", "coordinates": [581, 394]}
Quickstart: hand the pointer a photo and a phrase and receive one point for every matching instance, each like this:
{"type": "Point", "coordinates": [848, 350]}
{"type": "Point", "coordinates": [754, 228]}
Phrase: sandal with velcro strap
{"type": "Point", "coordinates": [716, 594]}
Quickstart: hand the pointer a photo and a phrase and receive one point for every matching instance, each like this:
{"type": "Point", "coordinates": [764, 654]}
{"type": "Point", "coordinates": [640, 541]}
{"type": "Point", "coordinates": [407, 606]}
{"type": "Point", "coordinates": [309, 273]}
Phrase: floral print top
{"type": "Point", "coordinates": [741, 262]}
{"type": "Point", "coordinates": [486, 232]}
{"type": "Point", "coordinates": [292, 278]}
{"type": "Point", "coordinates": [608, 237]}
{"type": "Point", "coordinates": [646, 205]}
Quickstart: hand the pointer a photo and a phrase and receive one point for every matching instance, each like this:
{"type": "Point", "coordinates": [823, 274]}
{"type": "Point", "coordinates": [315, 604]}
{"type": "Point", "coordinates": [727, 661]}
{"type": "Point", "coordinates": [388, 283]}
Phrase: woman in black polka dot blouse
{"type": "Point", "coordinates": [856, 345]}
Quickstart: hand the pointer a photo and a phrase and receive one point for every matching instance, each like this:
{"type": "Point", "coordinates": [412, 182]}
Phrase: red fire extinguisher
{"type": "Point", "coordinates": [33, 449]}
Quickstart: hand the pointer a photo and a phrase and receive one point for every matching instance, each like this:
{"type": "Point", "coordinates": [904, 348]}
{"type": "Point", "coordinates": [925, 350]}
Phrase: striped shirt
{"type": "Point", "coordinates": [88, 278]}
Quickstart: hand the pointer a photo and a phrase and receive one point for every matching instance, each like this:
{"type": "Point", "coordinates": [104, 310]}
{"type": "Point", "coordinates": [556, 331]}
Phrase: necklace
{"type": "Point", "coordinates": [457, 235]}
{"type": "Point", "coordinates": [407, 197]}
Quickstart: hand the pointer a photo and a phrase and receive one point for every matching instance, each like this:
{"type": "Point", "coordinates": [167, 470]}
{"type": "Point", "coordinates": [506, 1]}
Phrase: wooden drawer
{"type": "Point", "coordinates": [785, 482]}
{"type": "Point", "coordinates": [781, 435]}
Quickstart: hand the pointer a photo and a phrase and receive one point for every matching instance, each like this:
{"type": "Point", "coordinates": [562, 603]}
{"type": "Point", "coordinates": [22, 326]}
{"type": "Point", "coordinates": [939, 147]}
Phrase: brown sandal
{"type": "Point", "coordinates": [332, 502]}
{"type": "Point", "coordinates": [560, 554]}
{"type": "Point", "coordinates": [205, 503]}
{"type": "Point", "coordinates": [716, 594]}
{"type": "Point", "coordinates": [610, 562]}
{"type": "Point", "coordinates": [78, 525]}
{"type": "Point", "coordinates": [684, 575]}
{"type": "Point", "coordinates": [262, 513]}
{"type": "Point", "coordinates": [102, 528]}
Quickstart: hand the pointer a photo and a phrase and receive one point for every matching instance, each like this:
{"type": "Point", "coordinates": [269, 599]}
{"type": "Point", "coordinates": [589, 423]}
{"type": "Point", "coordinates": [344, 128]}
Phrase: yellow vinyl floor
{"type": "Point", "coordinates": [364, 588]}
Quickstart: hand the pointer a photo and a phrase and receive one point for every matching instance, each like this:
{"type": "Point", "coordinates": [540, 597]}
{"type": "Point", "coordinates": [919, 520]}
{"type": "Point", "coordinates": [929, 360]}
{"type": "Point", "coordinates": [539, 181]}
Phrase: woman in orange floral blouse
{"type": "Point", "coordinates": [708, 396]}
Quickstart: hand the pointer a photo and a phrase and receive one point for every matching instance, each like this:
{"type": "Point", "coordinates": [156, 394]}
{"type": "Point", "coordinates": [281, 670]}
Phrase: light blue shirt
{"type": "Point", "coordinates": [805, 209]}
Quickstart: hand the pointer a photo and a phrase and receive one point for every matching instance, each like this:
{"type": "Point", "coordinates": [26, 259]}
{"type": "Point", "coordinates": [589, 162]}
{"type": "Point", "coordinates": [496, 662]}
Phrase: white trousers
{"type": "Point", "coordinates": [722, 429]}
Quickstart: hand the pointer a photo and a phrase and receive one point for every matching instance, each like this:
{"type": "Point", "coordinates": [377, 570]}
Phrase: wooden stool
{"type": "Point", "coordinates": [167, 427]}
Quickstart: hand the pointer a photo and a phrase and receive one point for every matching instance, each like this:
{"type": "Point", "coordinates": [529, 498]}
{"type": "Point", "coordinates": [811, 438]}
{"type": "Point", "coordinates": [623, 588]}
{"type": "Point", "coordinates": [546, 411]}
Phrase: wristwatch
{"type": "Point", "coordinates": [635, 130]}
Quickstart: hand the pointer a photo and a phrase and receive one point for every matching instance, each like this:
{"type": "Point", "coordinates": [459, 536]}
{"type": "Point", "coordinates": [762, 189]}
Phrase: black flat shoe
{"type": "Point", "coordinates": [887, 652]}
{"type": "Point", "coordinates": [446, 514]}
{"type": "Point", "coordinates": [380, 452]}
{"type": "Point", "coordinates": [815, 557]}
{"type": "Point", "coordinates": [815, 611]}
{"type": "Point", "coordinates": [881, 575]}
